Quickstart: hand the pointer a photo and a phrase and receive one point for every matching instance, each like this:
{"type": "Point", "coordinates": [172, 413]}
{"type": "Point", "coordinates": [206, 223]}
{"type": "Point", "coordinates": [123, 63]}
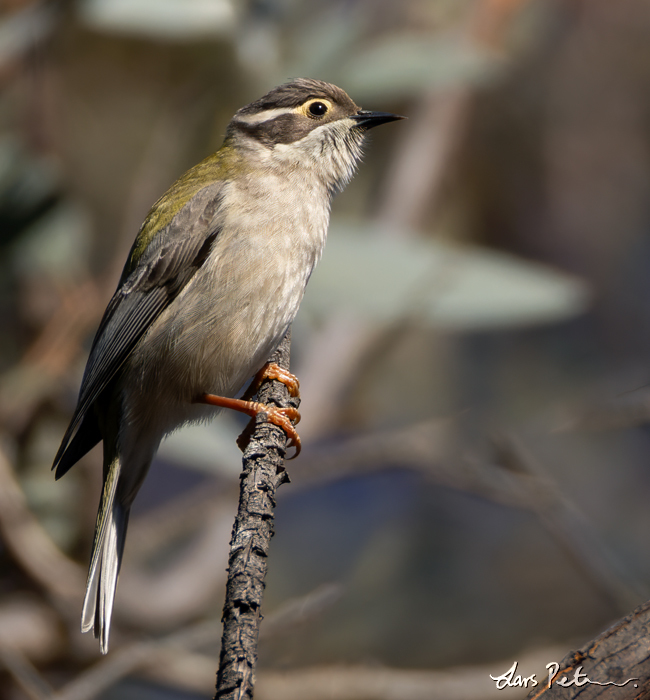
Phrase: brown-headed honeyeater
{"type": "Point", "coordinates": [211, 286]}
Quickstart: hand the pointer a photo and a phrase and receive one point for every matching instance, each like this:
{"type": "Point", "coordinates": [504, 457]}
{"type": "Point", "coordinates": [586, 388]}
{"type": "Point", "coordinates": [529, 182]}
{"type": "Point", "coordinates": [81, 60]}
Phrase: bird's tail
{"type": "Point", "coordinates": [108, 546]}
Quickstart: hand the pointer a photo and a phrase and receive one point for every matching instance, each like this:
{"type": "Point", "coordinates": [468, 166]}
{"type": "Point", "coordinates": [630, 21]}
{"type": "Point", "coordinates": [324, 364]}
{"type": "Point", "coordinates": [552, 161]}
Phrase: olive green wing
{"type": "Point", "coordinates": [152, 279]}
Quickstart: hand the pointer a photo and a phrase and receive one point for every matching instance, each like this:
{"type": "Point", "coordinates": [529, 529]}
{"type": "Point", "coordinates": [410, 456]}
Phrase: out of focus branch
{"type": "Point", "coordinates": [23, 388]}
{"type": "Point", "coordinates": [190, 580]}
{"type": "Point", "coordinates": [165, 658]}
{"type": "Point", "coordinates": [414, 186]}
{"type": "Point", "coordinates": [510, 476]}
{"type": "Point", "coordinates": [25, 674]}
{"type": "Point", "coordinates": [145, 598]}
{"type": "Point", "coordinates": [568, 527]}
{"type": "Point", "coordinates": [30, 545]}
{"type": "Point", "coordinates": [60, 341]}
{"type": "Point", "coordinates": [415, 182]}
{"type": "Point", "coordinates": [353, 682]}
{"type": "Point", "coordinates": [437, 128]}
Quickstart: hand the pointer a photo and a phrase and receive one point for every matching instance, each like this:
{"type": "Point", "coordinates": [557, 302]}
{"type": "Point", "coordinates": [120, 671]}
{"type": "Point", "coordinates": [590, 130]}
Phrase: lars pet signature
{"type": "Point", "coordinates": [511, 679]}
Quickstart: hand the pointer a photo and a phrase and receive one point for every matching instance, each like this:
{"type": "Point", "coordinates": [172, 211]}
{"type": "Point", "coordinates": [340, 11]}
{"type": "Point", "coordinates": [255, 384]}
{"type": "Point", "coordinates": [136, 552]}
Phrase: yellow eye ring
{"type": "Point", "coordinates": [316, 108]}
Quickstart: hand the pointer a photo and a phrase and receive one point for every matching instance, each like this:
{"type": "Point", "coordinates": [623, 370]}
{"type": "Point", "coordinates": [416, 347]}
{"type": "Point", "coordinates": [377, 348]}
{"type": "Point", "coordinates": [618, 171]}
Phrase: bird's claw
{"type": "Point", "coordinates": [282, 417]}
{"type": "Point", "coordinates": [273, 371]}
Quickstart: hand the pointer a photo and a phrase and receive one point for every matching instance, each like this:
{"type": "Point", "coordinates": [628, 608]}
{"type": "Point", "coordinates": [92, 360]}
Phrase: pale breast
{"type": "Point", "coordinates": [235, 310]}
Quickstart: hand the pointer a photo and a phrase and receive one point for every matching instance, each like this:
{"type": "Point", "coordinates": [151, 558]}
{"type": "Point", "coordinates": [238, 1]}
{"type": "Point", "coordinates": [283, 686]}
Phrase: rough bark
{"type": "Point", "coordinates": [263, 471]}
{"type": "Point", "coordinates": [617, 656]}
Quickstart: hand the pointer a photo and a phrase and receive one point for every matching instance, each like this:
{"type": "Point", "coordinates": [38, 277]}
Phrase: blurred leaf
{"type": "Point", "coordinates": [56, 244]}
{"type": "Point", "coordinates": [399, 66]}
{"type": "Point", "coordinates": [20, 31]}
{"type": "Point", "coordinates": [166, 19]}
{"type": "Point", "coordinates": [461, 288]}
{"type": "Point", "coordinates": [322, 45]}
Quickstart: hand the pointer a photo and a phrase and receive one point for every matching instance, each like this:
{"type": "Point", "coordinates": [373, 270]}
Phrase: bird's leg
{"type": "Point", "coordinates": [281, 417]}
{"type": "Point", "coordinates": [273, 371]}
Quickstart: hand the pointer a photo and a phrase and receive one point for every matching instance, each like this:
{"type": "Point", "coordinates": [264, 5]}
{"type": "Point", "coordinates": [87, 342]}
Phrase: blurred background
{"type": "Point", "coordinates": [473, 350]}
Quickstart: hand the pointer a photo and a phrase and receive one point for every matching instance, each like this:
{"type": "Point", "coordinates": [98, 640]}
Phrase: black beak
{"type": "Point", "coordinates": [367, 120]}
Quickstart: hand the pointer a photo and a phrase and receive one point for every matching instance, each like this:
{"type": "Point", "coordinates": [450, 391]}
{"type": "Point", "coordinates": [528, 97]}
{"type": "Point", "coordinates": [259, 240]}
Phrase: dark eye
{"type": "Point", "coordinates": [317, 109]}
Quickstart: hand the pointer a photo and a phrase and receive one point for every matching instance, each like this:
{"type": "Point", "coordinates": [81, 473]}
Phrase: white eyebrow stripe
{"type": "Point", "coordinates": [264, 116]}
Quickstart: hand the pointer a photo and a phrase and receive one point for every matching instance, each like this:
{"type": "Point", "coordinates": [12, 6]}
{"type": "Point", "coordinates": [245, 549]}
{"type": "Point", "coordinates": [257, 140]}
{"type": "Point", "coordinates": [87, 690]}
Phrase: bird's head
{"type": "Point", "coordinates": [305, 123]}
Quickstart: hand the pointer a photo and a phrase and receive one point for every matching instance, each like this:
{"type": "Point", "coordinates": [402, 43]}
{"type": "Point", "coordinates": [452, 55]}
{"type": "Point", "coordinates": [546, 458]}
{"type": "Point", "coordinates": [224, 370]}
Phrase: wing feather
{"type": "Point", "coordinates": [170, 261]}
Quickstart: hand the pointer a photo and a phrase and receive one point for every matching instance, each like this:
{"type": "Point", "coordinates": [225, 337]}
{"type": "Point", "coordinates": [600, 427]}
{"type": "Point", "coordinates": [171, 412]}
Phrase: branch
{"type": "Point", "coordinates": [263, 471]}
{"type": "Point", "coordinates": [620, 655]}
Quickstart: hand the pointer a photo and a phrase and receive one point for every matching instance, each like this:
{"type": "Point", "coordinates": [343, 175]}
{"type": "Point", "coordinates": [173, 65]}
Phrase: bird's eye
{"type": "Point", "coordinates": [317, 108]}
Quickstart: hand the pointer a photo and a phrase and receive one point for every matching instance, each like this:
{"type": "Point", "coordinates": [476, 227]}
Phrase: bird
{"type": "Point", "coordinates": [210, 287]}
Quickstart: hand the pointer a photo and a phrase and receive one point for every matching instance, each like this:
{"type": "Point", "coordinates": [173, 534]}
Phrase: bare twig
{"type": "Point", "coordinates": [617, 664]}
{"type": "Point", "coordinates": [263, 471]}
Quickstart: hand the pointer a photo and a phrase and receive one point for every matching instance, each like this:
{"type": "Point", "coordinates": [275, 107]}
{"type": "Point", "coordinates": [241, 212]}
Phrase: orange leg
{"type": "Point", "coordinates": [273, 371]}
{"type": "Point", "coordinates": [281, 417]}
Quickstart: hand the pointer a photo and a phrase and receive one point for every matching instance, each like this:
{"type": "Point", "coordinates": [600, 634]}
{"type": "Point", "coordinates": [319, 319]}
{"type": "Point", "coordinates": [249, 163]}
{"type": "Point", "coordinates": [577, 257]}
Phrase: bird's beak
{"type": "Point", "coordinates": [367, 120]}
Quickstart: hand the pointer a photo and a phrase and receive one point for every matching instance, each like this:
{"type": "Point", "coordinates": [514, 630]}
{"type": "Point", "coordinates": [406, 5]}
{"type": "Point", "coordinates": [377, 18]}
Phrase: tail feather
{"type": "Point", "coordinates": [108, 546]}
{"type": "Point", "coordinates": [75, 445]}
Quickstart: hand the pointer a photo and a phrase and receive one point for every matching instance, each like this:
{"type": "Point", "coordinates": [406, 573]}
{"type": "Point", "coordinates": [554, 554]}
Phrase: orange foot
{"type": "Point", "coordinates": [281, 417]}
{"type": "Point", "coordinates": [273, 371]}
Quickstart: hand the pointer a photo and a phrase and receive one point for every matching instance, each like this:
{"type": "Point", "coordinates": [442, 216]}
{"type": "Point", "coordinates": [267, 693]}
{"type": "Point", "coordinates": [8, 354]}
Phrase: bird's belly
{"type": "Point", "coordinates": [214, 336]}
{"type": "Point", "coordinates": [231, 333]}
